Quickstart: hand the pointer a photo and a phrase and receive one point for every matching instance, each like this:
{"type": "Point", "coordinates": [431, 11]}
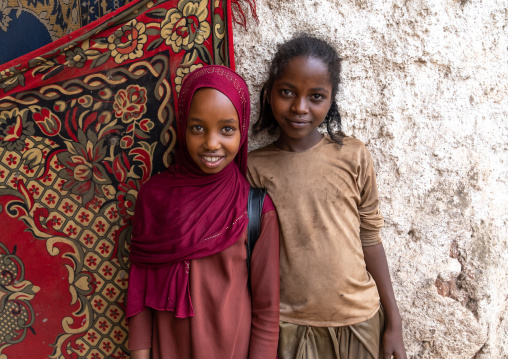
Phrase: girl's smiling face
{"type": "Point", "coordinates": [213, 130]}
{"type": "Point", "coordinates": [300, 100]}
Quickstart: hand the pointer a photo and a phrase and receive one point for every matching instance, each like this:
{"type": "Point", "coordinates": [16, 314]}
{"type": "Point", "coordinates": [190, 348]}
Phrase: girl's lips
{"type": "Point", "coordinates": [297, 123]}
{"type": "Point", "coordinates": [211, 161]}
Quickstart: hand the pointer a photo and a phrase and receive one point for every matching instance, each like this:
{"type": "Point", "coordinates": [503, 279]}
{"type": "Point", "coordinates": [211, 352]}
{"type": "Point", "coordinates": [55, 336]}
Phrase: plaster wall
{"type": "Point", "coordinates": [425, 86]}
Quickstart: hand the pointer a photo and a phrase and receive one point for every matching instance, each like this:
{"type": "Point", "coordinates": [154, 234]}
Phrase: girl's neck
{"type": "Point", "coordinates": [290, 144]}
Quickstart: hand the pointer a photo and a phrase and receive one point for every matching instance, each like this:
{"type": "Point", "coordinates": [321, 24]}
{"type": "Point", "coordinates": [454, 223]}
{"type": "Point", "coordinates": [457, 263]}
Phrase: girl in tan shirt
{"type": "Point", "coordinates": [333, 267]}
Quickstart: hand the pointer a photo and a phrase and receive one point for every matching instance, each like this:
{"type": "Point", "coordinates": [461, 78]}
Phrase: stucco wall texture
{"type": "Point", "coordinates": [425, 86]}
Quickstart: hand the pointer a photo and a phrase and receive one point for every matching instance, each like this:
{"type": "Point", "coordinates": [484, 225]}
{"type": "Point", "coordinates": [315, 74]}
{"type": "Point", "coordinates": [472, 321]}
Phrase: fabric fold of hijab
{"type": "Point", "coordinates": [184, 213]}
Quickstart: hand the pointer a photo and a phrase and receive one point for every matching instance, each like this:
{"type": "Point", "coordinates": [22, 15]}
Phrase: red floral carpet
{"type": "Point", "coordinates": [84, 122]}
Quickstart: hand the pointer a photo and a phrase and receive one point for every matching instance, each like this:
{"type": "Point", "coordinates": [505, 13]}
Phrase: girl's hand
{"type": "Point", "coordinates": [140, 354]}
{"type": "Point", "coordinates": [393, 345]}
{"type": "Point", "coordinates": [375, 259]}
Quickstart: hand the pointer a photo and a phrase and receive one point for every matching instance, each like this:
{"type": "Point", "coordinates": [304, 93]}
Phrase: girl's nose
{"type": "Point", "coordinates": [299, 106]}
{"type": "Point", "coordinates": [212, 142]}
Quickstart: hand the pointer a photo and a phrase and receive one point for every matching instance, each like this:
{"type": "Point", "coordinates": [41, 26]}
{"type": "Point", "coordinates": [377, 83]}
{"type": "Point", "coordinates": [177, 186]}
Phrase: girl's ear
{"type": "Point", "coordinates": [265, 95]}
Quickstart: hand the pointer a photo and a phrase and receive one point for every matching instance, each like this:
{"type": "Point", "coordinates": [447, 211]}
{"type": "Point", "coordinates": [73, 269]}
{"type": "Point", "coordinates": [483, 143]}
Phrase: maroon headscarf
{"type": "Point", "coordinates": [184, 213]}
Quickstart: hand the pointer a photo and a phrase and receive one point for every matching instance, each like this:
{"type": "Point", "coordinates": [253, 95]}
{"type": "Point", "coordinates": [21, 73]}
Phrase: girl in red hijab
{"type": "Point", "coordinates": [188, 294]}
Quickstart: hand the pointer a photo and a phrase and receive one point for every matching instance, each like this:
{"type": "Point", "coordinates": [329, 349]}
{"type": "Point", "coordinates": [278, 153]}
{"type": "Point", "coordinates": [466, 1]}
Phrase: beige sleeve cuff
{"type": "Point", "coordinates": [369, 238]}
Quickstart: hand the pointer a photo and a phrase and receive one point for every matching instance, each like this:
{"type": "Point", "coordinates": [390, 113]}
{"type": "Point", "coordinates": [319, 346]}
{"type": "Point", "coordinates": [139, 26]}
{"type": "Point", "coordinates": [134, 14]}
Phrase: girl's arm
{"type": "Point", "coordinates": [392, 343]}
{"type": "Point", "coordinates": [265, 290]}
{"type": "Point", "coordinates": [140, 354]}
{"type": "Point", "coordinates": [140, 334]}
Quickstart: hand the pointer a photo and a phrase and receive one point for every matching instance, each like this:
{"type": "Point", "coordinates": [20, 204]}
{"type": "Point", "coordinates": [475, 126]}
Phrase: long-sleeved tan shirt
{"type": "Point", "coordinates": [327, 202]}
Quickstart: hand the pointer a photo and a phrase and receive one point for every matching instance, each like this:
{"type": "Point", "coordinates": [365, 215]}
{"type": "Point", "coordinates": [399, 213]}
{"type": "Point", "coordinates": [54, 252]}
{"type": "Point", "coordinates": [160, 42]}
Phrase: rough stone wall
{"type": "Point", "coordinates": [425, 86]}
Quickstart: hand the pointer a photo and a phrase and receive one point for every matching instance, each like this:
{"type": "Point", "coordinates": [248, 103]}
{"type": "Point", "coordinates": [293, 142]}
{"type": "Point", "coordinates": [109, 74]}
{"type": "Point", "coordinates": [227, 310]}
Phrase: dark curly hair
{"type": "Point", "coordinates": [308, 46]}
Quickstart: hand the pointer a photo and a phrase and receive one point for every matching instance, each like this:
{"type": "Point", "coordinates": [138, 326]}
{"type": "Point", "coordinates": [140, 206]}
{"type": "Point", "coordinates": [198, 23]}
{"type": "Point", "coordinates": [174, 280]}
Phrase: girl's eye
{"type": "Point", "coordinates": [196, 128]}
{"type": "Point", "coordinates": [286, 93]}
{"type": "Point", "coordinates": [228, 130]}
{"type": "Point", "coordinates": [317, 97]}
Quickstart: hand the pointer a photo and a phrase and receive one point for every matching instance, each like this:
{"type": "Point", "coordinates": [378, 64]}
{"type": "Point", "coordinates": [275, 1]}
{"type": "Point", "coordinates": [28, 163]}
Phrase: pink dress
{"type": "Point", "coordinates": [227, 324]}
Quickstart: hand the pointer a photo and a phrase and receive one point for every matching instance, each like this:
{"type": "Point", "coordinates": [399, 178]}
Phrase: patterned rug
{"type": "Point", "coordinates": [26, 25]}
{"type": "Point", "coordinates": [84, 121]}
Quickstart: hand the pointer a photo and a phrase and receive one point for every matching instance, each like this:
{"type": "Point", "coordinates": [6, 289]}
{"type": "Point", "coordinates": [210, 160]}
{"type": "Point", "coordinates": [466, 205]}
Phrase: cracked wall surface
{"type": "Point", "coordinates": [425, 86]}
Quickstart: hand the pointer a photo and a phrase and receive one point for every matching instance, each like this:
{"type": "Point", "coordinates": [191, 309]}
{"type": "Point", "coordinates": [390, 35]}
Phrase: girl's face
{"type": "Point", "coordinates": [300, 100]}
{"type": "Point", "coordinates": [213, 130]}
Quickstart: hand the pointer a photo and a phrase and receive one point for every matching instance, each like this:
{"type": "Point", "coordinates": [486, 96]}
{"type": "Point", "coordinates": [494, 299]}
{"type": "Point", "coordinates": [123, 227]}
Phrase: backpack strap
{"type": "Point", "coordinates": [254, 210]}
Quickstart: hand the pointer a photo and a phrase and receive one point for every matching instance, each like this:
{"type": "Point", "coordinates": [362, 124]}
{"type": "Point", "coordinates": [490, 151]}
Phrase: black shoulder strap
{"type": "Point", "coordinates": [254, 209]}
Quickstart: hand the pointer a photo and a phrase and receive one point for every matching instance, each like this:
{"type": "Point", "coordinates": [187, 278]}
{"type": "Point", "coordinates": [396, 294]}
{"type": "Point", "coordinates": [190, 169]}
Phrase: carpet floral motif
{"type": "Point", "coordinates": [27, 25]}
{"type": "Point", "coordinates": [82, 126]}
{"type": "Point", "coordinates": [16, 311]}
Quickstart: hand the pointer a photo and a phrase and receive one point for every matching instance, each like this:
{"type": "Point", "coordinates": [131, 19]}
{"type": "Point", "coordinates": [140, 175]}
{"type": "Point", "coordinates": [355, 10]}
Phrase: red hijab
{"type": "Point", "coordinates": [184, 213]}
